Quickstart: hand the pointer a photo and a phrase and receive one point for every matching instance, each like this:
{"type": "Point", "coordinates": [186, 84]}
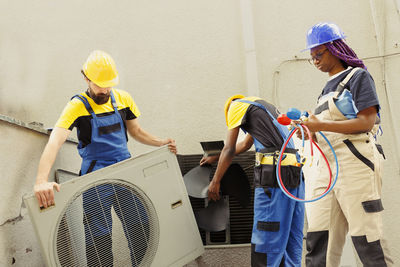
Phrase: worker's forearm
{"type": "Point", "coordinates": [242, 147]}
{"type": "Point", "coordinates": [46, 162]}
{"type": "Point", "coordinates": [56, 140]}
{"type": "Point", "coordinates": [146, 138]}
{"type": "Point", "coordinates": [353, 126]}
{"type": "Point", "coordinates": [224, 162]}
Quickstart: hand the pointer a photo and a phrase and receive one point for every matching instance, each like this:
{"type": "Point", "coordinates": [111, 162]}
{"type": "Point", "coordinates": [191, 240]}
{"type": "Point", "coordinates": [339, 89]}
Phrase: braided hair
{"type": "Point", "coordinates": [341, 50]}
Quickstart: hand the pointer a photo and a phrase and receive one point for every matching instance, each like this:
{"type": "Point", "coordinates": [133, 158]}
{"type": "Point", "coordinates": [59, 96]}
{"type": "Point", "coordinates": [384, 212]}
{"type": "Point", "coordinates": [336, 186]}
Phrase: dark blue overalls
{"type": "Point", "coordinates": [277, 235]}
{"type": "Point", "coordinates": [108, 146]}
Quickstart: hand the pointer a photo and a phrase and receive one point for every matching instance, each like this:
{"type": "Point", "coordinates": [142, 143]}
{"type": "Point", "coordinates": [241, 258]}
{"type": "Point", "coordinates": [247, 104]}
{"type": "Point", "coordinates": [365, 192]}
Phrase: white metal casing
{"type": "Point", "coordinates": [157, 174]}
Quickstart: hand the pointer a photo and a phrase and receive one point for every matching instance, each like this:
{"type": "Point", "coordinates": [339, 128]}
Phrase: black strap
{"type": "Point", "coordinates": [340, 88]}
{"type": "Point", "coordinates": [267, 192]}
{"type": "Point", "coordinates": [268, 226]}
{"type": "Point", "coordinates": [356, 153]}
{"type": "Point", "coordinates": [85, 102]}
{"type": "Point", "coordinates": [380, 150]}
{"type": "Point", "coordinates": [92, 164]}
{"type": "Point", "coordinates": [343, 84]}
{"type": "Point", "coordinates": [321, 108]}
{"type": "Point", "coordinates": [273, 149]}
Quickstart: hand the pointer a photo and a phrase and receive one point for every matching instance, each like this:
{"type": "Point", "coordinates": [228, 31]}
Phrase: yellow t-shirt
{"type": "Point", "coordinates": [237, 110]}
{"type": "Point", "coordinates": [76, 115]}
{"type": "Point", "coordinates": [255, 121]}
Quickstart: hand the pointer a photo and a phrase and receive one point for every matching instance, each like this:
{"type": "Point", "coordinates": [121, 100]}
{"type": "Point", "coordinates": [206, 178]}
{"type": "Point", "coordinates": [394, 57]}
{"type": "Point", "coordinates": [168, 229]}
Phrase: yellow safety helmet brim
{"type": "Point", "coordinates": [228, 103]}
{"type": "Point", "coordinates": [100, 68]}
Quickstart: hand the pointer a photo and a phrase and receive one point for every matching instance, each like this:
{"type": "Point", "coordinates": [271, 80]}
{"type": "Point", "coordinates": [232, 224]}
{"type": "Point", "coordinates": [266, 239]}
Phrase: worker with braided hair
{"type": "Point", "coordinates": [347, 112]}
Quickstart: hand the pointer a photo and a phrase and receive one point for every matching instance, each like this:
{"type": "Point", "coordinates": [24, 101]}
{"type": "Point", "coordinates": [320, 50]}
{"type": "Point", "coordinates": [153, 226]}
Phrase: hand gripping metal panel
{"type": "Point", "coordinates": [138, 210]}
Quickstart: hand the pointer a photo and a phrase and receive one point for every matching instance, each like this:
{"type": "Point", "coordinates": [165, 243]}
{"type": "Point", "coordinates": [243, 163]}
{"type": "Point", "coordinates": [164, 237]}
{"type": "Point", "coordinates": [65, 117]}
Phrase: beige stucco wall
{"type": "Point", "coordinates": [20, 152]}
{"type": "Point", "coordinates": [180, 59]}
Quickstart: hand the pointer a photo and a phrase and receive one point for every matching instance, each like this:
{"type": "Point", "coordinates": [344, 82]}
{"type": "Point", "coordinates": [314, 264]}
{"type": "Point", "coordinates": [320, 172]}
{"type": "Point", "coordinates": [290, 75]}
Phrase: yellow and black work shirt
{"type": "Point", "coordinates": [256, 121]}
{"type": "Point", "coordinates": [75, 113]}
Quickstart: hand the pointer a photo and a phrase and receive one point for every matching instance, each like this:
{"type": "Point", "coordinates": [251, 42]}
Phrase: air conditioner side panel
{"type": "Point", "coordinates": [180, 241]}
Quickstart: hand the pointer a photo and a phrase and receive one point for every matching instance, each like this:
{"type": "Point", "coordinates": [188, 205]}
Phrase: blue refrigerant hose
{"type": "Point", "coordinates": [278, 169]}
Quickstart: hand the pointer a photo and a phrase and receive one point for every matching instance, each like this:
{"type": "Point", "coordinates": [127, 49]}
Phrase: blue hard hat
{"type": "Point", "coordinates": [322, 33]}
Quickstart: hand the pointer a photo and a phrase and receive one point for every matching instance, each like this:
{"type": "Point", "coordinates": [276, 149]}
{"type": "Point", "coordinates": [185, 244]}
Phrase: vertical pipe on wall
{"type": "Point", "coordinates": [378, 18]}
{"type": "Point", "coordinates": [249, 48]}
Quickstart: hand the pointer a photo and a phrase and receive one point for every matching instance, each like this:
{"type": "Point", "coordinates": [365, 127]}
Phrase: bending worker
{"type": "Point", "coordinates": [347, 114]}
{"type": "Point", "coordinates": [278, 221]}
{"type": "Point", "coordinates": [103, 116]}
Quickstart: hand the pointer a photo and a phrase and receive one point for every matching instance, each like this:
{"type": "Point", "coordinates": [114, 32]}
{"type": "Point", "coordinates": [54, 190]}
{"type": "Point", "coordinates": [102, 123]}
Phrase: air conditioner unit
{"type": "Point", "coordinates": [165, 232]}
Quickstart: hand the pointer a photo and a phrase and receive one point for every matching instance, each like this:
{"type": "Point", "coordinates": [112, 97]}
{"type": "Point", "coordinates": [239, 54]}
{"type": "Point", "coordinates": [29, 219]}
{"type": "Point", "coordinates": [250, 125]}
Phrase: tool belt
{"type": "Point", "coordinates": [265, 170]}
{"type": "Point", "coordinates": [266, 157]}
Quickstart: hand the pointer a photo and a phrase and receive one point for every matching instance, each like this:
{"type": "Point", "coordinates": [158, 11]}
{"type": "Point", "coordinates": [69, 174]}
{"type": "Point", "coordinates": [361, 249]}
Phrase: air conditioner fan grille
{"type": "Point", "coordinates": [111, 223]}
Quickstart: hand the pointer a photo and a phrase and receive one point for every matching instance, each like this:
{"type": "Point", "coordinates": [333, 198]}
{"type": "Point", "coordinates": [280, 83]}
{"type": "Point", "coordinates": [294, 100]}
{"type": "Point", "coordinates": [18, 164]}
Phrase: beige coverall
{"type": "Point", "coordinates": [354, 205]}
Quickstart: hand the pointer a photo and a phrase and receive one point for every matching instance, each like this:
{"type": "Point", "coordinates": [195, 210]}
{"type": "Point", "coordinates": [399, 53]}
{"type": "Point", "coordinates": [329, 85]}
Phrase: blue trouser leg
{"type": "Point", "coordinates": [295, 243]}
{"type": "Point", "coordinates": [134, 219]}
{"type": "Point", "coordinates": [98, 224]}
{"type": "Point", "coordinates": [278, 227]}
{"type": "Point", "coordinates": [100, 255]}
{"type": "Point", "coordinates": [97, 203]}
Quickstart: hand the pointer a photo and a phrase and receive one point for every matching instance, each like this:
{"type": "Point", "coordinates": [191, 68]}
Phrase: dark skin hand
{"type": "Point", "coordinates": [209, 160]}
{"type": "Point", "coordinates": [363, 123]}
{"type": "Point", "coordinates": [306, 137]}
{"type": "Point", "coordinates": [225, 159]}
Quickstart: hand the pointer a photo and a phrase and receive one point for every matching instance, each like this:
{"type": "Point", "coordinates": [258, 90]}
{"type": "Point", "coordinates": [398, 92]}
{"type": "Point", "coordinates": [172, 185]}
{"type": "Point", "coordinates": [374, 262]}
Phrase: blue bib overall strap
{"type": "Point", "coordinates": [277, 234]}
{"type": "Point", "coordinates": [108, 146]}
{"type": "Point", "coordinates": [282, 129]}
{"type": "Point", "coordinates": [257, 144]}
{"type": "Point", "coordinates": [108, 139]}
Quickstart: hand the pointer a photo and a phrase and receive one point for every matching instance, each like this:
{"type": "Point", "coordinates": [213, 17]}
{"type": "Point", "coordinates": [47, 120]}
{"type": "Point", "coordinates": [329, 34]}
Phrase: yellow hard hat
{"type": "Point", "coordinates": [100, 68]}
{"type": "Point", "coordinates": [228, 103]}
